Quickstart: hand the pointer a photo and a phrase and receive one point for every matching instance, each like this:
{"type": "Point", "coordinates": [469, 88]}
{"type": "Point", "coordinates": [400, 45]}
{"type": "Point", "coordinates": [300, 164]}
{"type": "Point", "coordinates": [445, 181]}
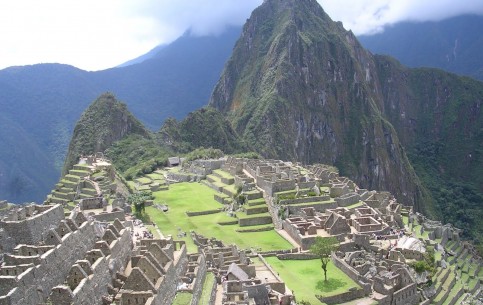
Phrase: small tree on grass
{"type": "Point", "coordinates": [323, 248]}
{"type": "Point", "coordinates": [138, 201]}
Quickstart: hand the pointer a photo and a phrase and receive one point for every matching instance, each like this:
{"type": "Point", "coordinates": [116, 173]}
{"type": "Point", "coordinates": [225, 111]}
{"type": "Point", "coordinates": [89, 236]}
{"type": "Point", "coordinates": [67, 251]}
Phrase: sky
{"type": "Point", "coordinates": [99, 34]}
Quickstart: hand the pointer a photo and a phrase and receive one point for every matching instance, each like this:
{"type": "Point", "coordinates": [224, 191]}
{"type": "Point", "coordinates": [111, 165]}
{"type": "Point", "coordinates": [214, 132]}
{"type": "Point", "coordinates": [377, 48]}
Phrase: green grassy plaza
{"type": "Point", "coordinates": [195, 197]}
{"type": "Point", "coordinates": [306, 278]}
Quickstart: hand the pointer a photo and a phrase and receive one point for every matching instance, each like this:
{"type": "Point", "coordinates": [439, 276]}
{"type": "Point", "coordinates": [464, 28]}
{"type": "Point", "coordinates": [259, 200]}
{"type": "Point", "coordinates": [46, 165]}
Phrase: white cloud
{"type": "Point", "coordinates": [371, 16]}
{"type": "Point", "coordinates": [93, 34]}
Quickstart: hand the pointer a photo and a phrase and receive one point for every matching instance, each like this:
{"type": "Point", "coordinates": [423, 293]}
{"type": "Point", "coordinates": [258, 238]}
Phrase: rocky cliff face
{"type": "Point", "coordinates": [300, 87]}
{"type": "Point", "coordinates": [104, 122]}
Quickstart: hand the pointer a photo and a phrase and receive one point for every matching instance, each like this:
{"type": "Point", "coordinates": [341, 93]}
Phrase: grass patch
{"type": "Point", "coordinates": [182, 197]}
{"type": "Point", "coordinates": [207, 285]}
{"type": "Point", "coordinates": [144, 180]}
{"type": "Point", "coordinates": [223, 174]}
{"type": "Point", "coordinates": [355, 205]}
{"type": "Point", "coordinates": [182, 298]}
{"type": "Point", "coordinates": [306, 278]}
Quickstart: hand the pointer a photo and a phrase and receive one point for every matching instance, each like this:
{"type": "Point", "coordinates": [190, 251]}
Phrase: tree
{"type": "Point", "coordinates": [138, 200]}
{"type": "Point", "coordinates": [323, 248]}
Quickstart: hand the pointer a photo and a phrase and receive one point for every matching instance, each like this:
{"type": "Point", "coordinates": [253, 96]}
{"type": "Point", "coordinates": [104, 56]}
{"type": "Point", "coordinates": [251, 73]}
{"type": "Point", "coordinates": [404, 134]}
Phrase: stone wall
{"type": "Point", "coordinates": [343, 297]}
{"type": "Point", "coordinates": [352, 273]}
{"type": "Point", "coordinates": [33, 229]}
{"type": "Point", "coordinates": [305, 199]}
{"type": "Point", "coordinates": [36, 284]}
{"type": "Point", "coordinates": [109, 216]}
{"type": "Point", "coordinates": [262, 220]}
{"type": "Point", "coordinates": [307, 184]}
{"type": "Point", "coordinates": [296, 256]}
{"type": "Point", "coordinates": [179, 177]}
{"type": "Point", "coordinates": [348, 199]}
{"type": "Point", "coordinates": [319, 207]}
{"type": "Point", "coordinates": [90, 290]}
{"type": "Point", "coordinates": [406, 295]}
{"type": "Point", "coordinates": [167, 289]}
{"type": "Point", "coordinates": [272, 187]}
{"type": "Point", "coordinates": [207, 212]}
{"type": "Point", "coordinates": [91, 203]}
{"type": "Point", "coordinates": [200, 280]}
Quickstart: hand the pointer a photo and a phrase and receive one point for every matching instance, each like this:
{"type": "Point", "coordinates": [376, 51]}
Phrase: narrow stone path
{"type": "Point", "coordinates": [219, 295]}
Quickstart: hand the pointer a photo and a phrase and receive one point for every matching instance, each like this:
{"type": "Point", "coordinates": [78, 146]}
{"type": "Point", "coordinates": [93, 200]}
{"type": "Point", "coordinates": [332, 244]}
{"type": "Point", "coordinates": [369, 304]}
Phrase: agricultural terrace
{"type": "Point", "coordinates": [196, 197]}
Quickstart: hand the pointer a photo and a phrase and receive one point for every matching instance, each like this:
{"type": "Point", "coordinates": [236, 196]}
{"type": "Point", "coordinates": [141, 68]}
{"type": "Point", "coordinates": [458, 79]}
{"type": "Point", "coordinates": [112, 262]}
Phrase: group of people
{"type": "Point", "coordinates": [145, 235]}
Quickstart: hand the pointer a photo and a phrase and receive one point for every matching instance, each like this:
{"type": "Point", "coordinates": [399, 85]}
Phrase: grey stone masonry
{"type": "Point", "coordinates": [29, 225]}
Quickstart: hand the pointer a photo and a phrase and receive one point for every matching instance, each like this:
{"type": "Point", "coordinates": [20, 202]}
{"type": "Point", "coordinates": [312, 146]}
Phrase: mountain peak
{"type": "Point", "coordinates": [300, 87]}
{"type": "Point", "coordinates": [104, 122]}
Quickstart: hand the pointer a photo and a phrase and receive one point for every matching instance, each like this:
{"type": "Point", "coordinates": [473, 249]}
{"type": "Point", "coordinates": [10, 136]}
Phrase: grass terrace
{"type": "Point", "coordinates": [207, 285]}
{"type": "Point", "coordinates": [196, 197]}
{"type": "Point", "coordinates": [306, 278]}
{"type": "Point", "coordinates": [182, 298]}
{"type": "Point", "coordinates": [223, 174]}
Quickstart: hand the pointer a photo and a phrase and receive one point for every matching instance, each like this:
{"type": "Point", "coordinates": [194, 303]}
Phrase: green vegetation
{"type": "Point", "coordinates": [136, 155]}
{"type": "Point", "coordinates": [207, 286]}
{"type": "Point", "coordinates": [182, 298]}
{"type": "Point", "coordinates": [323, 248]}
{"type": "Point", "coordinates": [138, 200]}
{"type": "Point", "coordinates": [196, 197]}
{"type": "Point", "coordinates": [105, 121]}
{"type": "Point", "coordinates": [203, 128]}
{"type": "Point", "coordinates": [304, 278]}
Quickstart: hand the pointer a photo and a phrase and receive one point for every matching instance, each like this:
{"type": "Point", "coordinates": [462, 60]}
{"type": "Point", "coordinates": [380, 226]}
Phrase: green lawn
{"type": "Point", "coordinates": [355, 205]}
{"type": "Point", "coordinates": [182, 298]}
{"type": "Point", "coordinates": [306, 278]}
{"type": "Point", "coordinates": [223, 174]}
{"type": "Point", "coordinates": [207, 285]}
{"type": "Point", "coordinates": [182, 197]}
{"type": "Point", "coordinates": [144, 180]}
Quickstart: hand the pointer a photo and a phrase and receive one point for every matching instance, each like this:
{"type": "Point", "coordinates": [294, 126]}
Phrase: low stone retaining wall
{"type": "Point", "coordinates": [257, 210]}
{"type": "Point", "coordinates": [342, 298]}
{"type": "Point", "coordinates": [227, 223]}
{"type": "Point", "coordinates": [305, 200]}
{"type": "Point", "coordinates": [255, 221]}
{"type": "Point", "coordinates": [267, 228]}
{"type": "Point", "coordinates": [221, 198]}
{"type": "Point", "coordinates": [296, 256]}
{"type": "Point", "coordinates": [207, 212]}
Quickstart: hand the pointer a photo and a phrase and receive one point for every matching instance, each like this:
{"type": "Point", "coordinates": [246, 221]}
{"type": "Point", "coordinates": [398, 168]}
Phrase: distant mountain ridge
{"type": "Point", "coordinates": [43, 102]}
{"type": "Point", "coordinates": [453, 44]}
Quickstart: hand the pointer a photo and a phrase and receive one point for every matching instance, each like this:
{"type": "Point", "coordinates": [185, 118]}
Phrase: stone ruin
{"type": "Point", "coordinates": [86, 258]}
{"type": "Point", "coordinates": [238, 276]}
{"type": "Point", "coordinates": [43, 249]}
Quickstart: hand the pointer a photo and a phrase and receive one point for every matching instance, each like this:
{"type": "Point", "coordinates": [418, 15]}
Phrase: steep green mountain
{"type": "Point", "coordinates": [453, 44]}
{"type": "Point", "coordinates": [44, 101]}
{"type": "Point", "coordinates": [439, 120]}
{"type": "Point", "coordinates": [202, 128]}
{"type": "Point", "coordinates": [105, 121]}
{"type": "Point", "coordinates": [107, 126]}
{"type": "Point", "coordinates": [300, 87]}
